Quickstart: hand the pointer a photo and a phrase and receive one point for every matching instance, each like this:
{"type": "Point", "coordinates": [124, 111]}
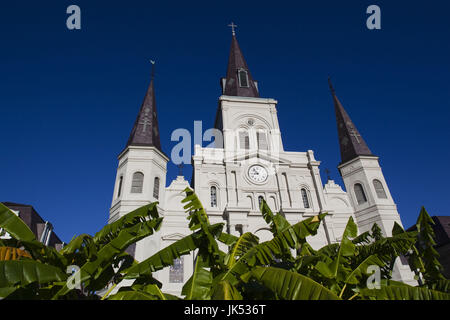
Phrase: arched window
{"type": "Point", "coordinates": [305, 198]}
{"type": "Point", "coordinates": [381, 194]}
{"type": "Point", "coordinates": [272, 203]}
{"type": "Point", "coordinates": [119, 189]}
{"type": "Point", "coordinates": [359, 193]}
{"type": "Point", "coordinates": [176, 271]}
{"type": "Point", "coordinates": [244, 140]}
{"type": "Point", "coordinates": [243, 78]}
{"type": "Point", "coordinates": [213, 197]}
{"type": "Point", "coordinates": [137, 183]}
{"type": "Point", "coordinates": [250, 202]}
{"type": "Point", "coordinates": [156, 188]}
{"type": "Point", "coordinates": [262, 140]}
{"type": "Point", "coordinates": [260, 199]}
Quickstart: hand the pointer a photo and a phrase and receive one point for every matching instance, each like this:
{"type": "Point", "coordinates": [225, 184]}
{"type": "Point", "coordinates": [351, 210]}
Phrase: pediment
{"type": "Point", "coordinates": [253, 156]}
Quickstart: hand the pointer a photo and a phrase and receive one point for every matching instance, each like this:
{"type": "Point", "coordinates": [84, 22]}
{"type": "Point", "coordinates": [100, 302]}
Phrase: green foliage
{"type": "Point", "coordinates": [21, 273]}
{"type": "Point", "coordinates": [336, 268]}
{"type": "Point", "coordinates": [246, 242]}
{"type": "Point", "coordinates": [198, 287]}
{"type": "Point", "coordinates": [14, 225]}
{"type": "Point", "coordinates": [198, 220]}
{"type": "Point", "coordinates": [224, 290]}
{"type": "Point", "coordinates": [403, 292]}
{"type": "Point", "coordinates": [284, 267]}
{"type": "Point", "coordinates": [376, 234]}
{"type": "Point", "coordinates": [166, 256]}
{"type": "Point", "coordinates": [427, 252]}
{"type": "Point", "coordinates": [289, 285]}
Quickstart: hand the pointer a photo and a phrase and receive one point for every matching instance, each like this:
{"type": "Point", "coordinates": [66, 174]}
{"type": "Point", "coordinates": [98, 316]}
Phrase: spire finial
{"type": "Point", "coordinates": [328, 174]}
{"type": "Point", "coordinates": [180, 169]}
{"type": "Point", "coordinates": [233, 26]}
{"type": "Point", "coordinates": [153, 68]}
{"type": "Point", "coordinates": [331, 85]}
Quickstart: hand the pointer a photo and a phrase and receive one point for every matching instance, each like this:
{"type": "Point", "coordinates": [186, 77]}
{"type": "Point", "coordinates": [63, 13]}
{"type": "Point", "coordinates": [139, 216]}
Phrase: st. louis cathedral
{"type": "Point", "coordinates": [249, 165]}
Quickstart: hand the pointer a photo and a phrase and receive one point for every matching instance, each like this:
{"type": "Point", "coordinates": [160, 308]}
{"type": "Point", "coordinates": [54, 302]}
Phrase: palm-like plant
{"type": "Point", "coordinates": [39, 272]}
{"type": "Point", "coordinates": [285, 267]}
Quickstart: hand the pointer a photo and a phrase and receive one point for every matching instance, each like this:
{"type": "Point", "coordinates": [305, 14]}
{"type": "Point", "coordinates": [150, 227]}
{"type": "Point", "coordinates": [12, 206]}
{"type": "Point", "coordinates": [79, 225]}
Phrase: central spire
{"type": "Point", "coordinates": [239, 81]}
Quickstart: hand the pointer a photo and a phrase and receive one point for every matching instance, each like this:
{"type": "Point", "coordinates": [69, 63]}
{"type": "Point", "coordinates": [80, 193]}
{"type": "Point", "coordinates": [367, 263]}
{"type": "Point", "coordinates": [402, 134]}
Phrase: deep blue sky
{"type": "Point", "coordinates": [68, 99]}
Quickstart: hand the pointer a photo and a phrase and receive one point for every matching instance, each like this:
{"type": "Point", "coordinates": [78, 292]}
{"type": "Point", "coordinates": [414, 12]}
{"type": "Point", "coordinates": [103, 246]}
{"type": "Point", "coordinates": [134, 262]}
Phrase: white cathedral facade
{"type": "Point", "coordinates": [250, 164]}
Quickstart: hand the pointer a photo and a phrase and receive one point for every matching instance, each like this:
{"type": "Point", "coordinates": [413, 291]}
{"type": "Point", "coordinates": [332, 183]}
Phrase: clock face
{"type": "Point", "coordinates": [257, 173]}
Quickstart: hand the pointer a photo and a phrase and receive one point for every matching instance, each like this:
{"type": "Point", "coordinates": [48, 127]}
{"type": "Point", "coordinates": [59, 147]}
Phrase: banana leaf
{"type": "Point", "coordinates": [91, 270]}
{"type": "Point", "coordinates": [14, 225]}
{"type": "Point", "coordinates": [198, 286]}
{"type": "Point", "coordinates": [112, 230]}
{"type": "Point", "coordinates": [23, 272]}
{"type": "Point", "coordinates": [80, 249]}
{"type": "Point", "coordinates": [337, 268]}
{"type": "Point", "coordinates": [154, 291]}
{"type": "Point", "coordinates": [227, 238]}
{"type": "Point", "coordinates": [166, 256]}
{"type": "Point", "coordinates": [388, 248]}
{"type": "Point", "coordinates": [441, 285]}
{"type": "Point", "coordinates": [276, 222]}
{"type": "Point", "coordinates": [266, 252]}
{"type": "Point", "coordinates": [224, 290]}
{"type": "Point", "coordinates": [198, 219]}
{"type": "Point", "coordinates": [241, 247]}
{"type": "Point", "coordinates": [405, 292]}
{"type": "Point", "coordinates": [289, 285]}
{"type": "Point", "coordinates": [357, 274]}
{"type": "Point", "coordinates": [133, 295]}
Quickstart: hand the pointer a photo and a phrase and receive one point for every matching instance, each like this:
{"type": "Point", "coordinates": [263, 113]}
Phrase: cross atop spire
{"type": "Point", "coordinates": [233, 26]}
{"type": "Point", "coordinates": [351, 142]}
{"type": "Point", "coordinates": [153, 68]}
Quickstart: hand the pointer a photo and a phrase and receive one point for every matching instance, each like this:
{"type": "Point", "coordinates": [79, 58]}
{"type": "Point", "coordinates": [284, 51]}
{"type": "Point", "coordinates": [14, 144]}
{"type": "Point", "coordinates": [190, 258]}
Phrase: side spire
{"type": "Point", "coordinates": [351, 142]}
{"type": "Point", "coordinates": [239, 81]}
{"type": "Point", "coordinates": [145, 131]}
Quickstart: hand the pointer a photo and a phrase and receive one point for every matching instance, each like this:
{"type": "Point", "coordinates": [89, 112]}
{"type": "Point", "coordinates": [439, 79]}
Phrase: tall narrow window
{"type": "Point", "coordinates": [262, 140]}
{"type": "Point", "coordinates": [213, 197]}
{"type": "Point", "coordinates": [359, 193]}
{"type": "Point", "coordinates": [176, 271]}
{"type": "Point", "coordinates": [272, 203]}
{"type": "Point", "coordinates": [119, 189]}
{"type": "Point", "coordinates": [244, 140]}
{"type": "Point", "coordinates": [381, 194]}
{"type": "Point", "coordinates": [243, 78]}
{"type": "Point", "coordinates": [250, 202]}
{"type": "Point", "coordinates": [137, 183]}
{"type": "Point", "coordinates": [260, 199]}
{"type": "Point", "coordinates": [156, 188]}
{"type": "Point", "coordinates": [305, 198]}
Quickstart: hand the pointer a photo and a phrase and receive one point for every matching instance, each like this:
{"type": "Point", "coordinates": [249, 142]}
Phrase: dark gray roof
{"type": "Point", "coordinates": [145, 131]}
{"type": "Point", "coordinates": [442, 229]}
{"type": "Point", "coordinates": [236, 62]}
{"type": "Point", "coordinates": [351, 142]}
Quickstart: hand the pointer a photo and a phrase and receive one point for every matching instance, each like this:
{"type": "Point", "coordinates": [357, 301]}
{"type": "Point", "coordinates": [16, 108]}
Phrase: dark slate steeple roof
{"type": "Point", "coordinates": [145, 130]}
{"type": "Point", "coordinates": [351, 142]}
{"type": "Point", "coordinates": [237, 62]}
